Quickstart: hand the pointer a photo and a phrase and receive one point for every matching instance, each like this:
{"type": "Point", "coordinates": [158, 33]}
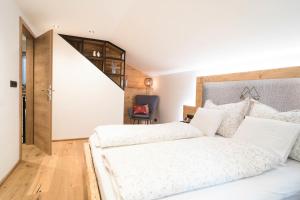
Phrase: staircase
{"type": "Point", "coordinates": [106, 56]}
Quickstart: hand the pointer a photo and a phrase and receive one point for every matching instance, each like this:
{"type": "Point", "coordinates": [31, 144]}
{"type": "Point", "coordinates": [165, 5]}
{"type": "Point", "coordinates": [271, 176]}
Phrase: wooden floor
{"type": "Point", "coordinates": [57, 177]}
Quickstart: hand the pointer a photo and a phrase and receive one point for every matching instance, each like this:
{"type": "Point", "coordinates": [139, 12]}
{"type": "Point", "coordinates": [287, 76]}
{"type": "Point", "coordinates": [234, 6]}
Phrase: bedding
{"type": "Point", "coordinates": [280, 183]}
{"type": "Point", "coordinates": [234, 115]}
{"type": "Point", "coordinates": [270, 113]}
{"type": "Point", "coordinates": [158, 170]}
{"type": "Point", "coordinates": [208, 120]}
{"type": "Point", "coordinates": [276, 136]}
{"type": "Point", "coordinates": [122, 135]}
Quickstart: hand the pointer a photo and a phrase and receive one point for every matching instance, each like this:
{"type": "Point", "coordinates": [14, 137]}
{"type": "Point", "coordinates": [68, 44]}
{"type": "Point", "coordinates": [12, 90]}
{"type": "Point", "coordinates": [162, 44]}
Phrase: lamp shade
{"type": "Point", "coordinates": [148, 82]}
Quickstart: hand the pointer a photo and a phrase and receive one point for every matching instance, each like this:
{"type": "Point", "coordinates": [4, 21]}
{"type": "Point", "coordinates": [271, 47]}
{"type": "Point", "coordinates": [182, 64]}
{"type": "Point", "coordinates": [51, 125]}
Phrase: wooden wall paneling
{"type": "Point", "coordinates": [135, 86]}
{"type": "Point", "coordinates": [135, 78]}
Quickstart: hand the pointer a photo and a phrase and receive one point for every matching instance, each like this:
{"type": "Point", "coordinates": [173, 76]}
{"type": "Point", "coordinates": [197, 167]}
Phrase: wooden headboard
{"type": "Point", "coordinates": [282, 73]}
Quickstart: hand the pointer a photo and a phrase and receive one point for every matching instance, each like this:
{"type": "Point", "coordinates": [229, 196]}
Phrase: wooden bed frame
{"type": "Point", "coordinates": [91, 179]}
{"type": "Point", "coordinates": [290, 72]}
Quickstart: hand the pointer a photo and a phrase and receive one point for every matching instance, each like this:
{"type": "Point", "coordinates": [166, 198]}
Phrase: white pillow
{"type": "Point", "coordinates": [276, 136]}
{"type": "Point", "coordinates": [234, 115]}
{"type": "Point", "coordinates": [294, 117]}
{"type": "Point", "coordinates": [264, 111]}
{"type": "Point", "coordinates": [207, 120]}
{"type": "Point", "coordinates": [258, 109]}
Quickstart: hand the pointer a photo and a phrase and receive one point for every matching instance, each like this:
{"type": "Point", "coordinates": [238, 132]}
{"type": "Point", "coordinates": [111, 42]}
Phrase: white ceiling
{"type": "Point", "coordinates": [165, 36]}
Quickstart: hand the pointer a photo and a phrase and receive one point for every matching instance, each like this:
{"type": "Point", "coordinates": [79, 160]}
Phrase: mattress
{"type": "Point", "coordinates": [280, 183]}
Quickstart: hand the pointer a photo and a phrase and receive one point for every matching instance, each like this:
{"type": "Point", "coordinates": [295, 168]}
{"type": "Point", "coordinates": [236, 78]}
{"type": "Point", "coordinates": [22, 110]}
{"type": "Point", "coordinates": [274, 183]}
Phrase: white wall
{"type": "Point", "coordinates": [175, 90]}
{"type": "Point", "coordinates": [84, 97]}
{"type": "Point", "coordinates": [9, 97]}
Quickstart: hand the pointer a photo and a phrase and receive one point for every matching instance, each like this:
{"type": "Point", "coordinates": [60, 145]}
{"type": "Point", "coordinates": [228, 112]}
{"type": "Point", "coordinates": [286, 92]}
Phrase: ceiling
{"type": "Point", "coordinates": [166, 36]}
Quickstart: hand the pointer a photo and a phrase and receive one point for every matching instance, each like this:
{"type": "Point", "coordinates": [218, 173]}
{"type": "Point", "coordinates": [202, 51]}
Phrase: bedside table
{"type": "Point", "coordinates": [188, 118]}
{"type": "Point", "coordinates": [189, 110]}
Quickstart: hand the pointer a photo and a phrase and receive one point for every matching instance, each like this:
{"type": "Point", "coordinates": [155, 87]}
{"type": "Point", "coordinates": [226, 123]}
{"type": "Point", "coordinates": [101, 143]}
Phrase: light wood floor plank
{"type": "Point", "coordinates": [44, 177]}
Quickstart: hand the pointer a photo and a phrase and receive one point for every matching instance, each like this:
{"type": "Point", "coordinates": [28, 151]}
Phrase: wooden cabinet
{"type": "Point", "coordinates": [106, 56]}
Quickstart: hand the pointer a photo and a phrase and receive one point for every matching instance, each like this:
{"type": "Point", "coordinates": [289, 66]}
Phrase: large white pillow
{"type": "Point", "coordinates": [234, 115]}
{"type": "Point", "coordinates": [264, 111]}
{"type": "Point", "coordinates": [294, 117]}
{"type": "Point", "coordinates": [276, 136]}
{"type": "Point", "coordinates": [207, 120]}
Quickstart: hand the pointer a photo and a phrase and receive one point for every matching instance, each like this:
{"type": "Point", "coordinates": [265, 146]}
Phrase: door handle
{"type": "Point", "coordinates": [49, 92]}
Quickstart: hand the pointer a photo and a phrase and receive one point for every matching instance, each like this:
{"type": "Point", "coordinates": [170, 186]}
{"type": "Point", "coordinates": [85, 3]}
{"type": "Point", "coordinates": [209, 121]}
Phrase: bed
{"type": "Point", "coordinates": [282, 182]}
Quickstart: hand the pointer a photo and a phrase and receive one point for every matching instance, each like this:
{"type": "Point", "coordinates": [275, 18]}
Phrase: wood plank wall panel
{"type": "Point", "coordinates": [135, 86]}
{"type": "Point", "coordinates": [135, 78]}
{"type": "Point", "coordinates": [289, 72]}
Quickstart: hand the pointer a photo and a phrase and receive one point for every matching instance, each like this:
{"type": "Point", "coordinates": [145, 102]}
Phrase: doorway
{"type": "Point", "coordinates": [26, 84]}
{"type": "Point", "coordinates": [23, 139]}
{"type": "Point", "coordinates": [35, 91]}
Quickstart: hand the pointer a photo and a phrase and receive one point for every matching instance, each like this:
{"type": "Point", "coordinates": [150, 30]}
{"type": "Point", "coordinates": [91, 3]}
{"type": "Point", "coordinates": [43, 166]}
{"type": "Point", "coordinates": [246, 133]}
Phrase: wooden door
{"type": "Point", "coordinates": [43, 92]}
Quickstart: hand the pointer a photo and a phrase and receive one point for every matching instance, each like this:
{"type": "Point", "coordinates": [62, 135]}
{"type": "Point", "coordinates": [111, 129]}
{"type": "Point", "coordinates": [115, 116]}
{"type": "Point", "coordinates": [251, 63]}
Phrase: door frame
{"type": "Point", "coordinates": [23, 28]}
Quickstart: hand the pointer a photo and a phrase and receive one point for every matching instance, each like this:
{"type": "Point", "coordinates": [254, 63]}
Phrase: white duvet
{"type": "Point", "coordinates": [157, 170]}
{"type": "Point", "coordinates": [122, 135]}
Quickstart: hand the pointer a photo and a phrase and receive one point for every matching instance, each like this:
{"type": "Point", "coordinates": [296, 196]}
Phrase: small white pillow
{"type": "Point", "coordinates": [234, 115]}
{"type": "Point", "coordinates": [207, 120]}
{"type": "Point", "coordinates": [258, 109]}
{"type": "Point", "coordinates": [276, 136]}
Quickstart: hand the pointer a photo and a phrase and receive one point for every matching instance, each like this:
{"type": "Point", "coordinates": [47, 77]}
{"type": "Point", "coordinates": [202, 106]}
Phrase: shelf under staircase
{"type": "Point", "coordinates": [106, 56]}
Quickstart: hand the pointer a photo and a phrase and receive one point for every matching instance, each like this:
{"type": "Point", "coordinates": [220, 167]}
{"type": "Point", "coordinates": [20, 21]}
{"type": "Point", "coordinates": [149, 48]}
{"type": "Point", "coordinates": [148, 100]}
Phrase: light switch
{"type": "Point", "coordinates": [13, 84]}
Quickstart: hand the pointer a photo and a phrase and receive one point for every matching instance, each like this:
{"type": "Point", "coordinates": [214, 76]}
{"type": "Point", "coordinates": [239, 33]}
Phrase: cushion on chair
{"type": "Point", "coordinates": [141, 109]}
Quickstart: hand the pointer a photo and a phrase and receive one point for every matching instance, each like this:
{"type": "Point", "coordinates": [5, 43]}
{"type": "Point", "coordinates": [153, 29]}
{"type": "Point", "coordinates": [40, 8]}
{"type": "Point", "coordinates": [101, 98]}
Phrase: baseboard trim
{"type": "Point", "coordinates": [70, 139]}
{"type": "Point", "coordinates": [9, 173]}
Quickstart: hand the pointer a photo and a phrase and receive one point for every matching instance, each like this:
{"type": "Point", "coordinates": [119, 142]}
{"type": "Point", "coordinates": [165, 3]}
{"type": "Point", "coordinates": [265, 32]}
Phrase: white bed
{"type": "Point", "coordinates": [280, 183]}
